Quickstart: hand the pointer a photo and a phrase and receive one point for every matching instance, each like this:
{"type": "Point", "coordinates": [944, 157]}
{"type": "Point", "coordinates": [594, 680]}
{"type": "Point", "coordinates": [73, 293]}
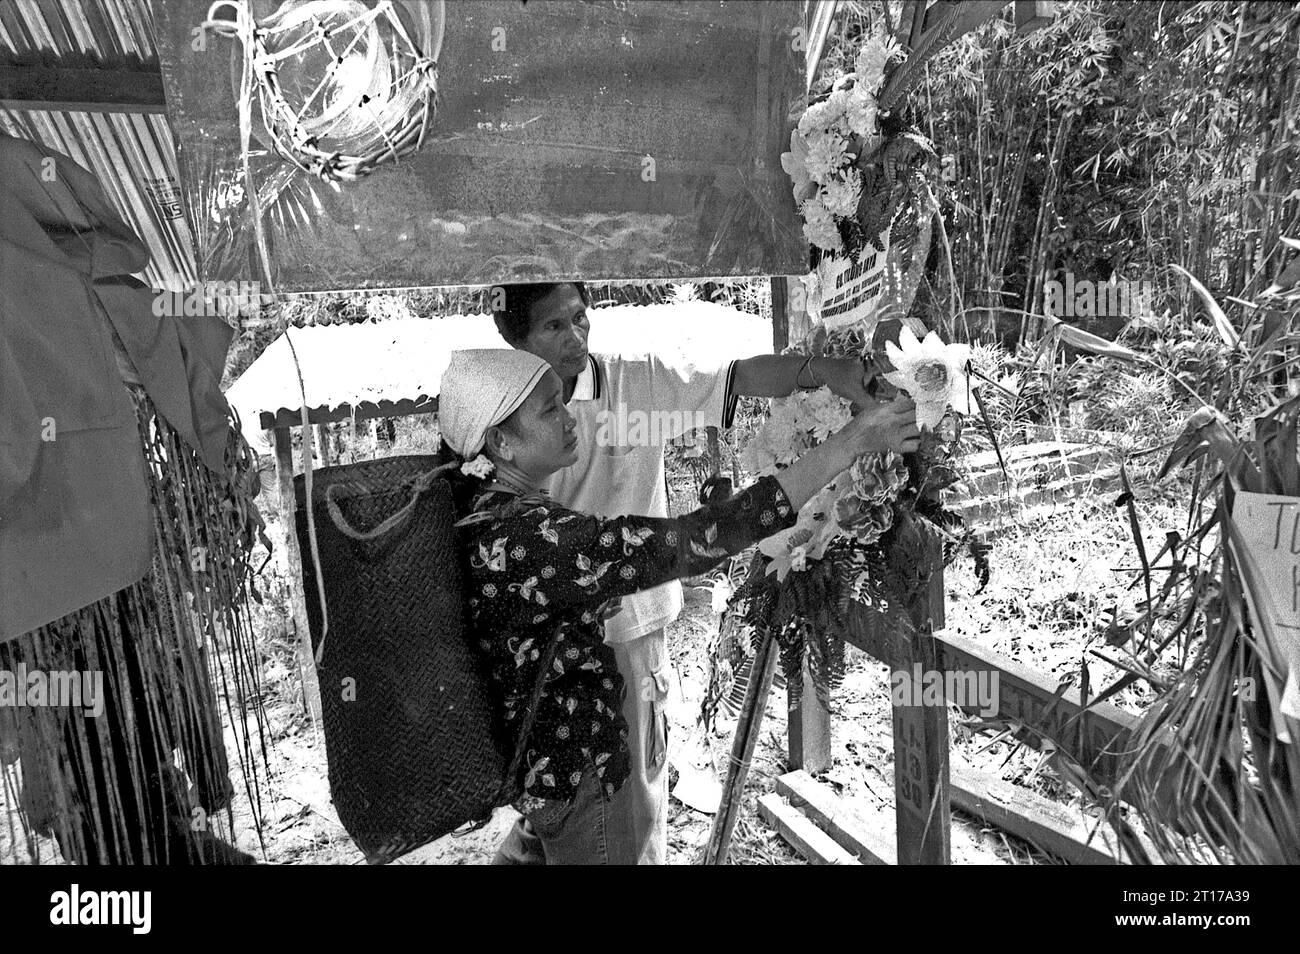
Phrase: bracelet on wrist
{"type": "Point", "coordinates": [807, 365]}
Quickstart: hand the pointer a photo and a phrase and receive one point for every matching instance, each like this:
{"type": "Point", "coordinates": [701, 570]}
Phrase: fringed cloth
{"type": "Point", "coordinates": [146, 781]}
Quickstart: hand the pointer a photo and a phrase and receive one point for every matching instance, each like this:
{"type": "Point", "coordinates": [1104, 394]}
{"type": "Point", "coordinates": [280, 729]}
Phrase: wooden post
{"type": "Point", "coordinates": [797, 310]}
{"type": "Point", "coordinates": [921, 785]}
{"type": "Point", "coordinates": [293, 562]}
{"type": "Point", "coordinates": [715, 451]}
{"type": "Point", "coordinates": [357, 428]}
{"type": "Point", "coordinates": [790, 322]}
{"type": "Point", "coordinates": [808, 729]}
{"type": "Point", "coordinates": [1034, 14]}
{"type": "Point", "coordinates": [780, 313]}
{"type": "Point", "coordinates": [808, 735]}
{"type": "Point", "coordinates": [323, 442]}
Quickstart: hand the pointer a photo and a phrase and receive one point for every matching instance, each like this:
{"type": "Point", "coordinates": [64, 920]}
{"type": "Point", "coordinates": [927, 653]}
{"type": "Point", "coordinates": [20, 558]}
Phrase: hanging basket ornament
{"type": "Point", "coordinates": [340, 86]}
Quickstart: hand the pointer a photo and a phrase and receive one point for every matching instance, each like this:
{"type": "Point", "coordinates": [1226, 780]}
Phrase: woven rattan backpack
{"type": "Point", "coordinates": [408, 716]}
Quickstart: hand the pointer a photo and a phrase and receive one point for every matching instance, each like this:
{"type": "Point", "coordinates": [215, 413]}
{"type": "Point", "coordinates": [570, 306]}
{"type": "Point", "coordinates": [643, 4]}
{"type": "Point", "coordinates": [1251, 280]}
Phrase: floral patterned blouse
{"type": "Point", "coordinates": [534, 565]}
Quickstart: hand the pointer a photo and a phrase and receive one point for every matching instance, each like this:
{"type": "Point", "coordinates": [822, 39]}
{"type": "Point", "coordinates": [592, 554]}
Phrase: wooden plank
{"type": "Point", "coordinates": [65, 89]}
{"type": "Point", "coordinates": [365, 410]}
{"type": "Point", "coordinates": [1036, 454]}
{"type": "Point", "coordinates": [1024, 696]}
{"type": "Point", "coordinates": [293, 559]}
{"type": "Point", "coordinates": [1052, 827]}
{"type": "Point", "coordinates": [868, 840]}
{"type": "Point", "coordinates": [1049, 825]}
{"type": "Point", "coordinates": [809, 840]}
{"type": "Point", "coordinates": [1015, 503]}
{"type": "Point", "coordinates": [1072, 435]}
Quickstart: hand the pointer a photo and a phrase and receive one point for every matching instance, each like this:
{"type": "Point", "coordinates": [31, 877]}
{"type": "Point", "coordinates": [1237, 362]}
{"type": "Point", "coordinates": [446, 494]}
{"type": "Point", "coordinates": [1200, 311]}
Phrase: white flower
{"type": "Point", "coordinates": [779, 547]}
{"type": "Point", "coordinates": [480, 467]}
{"type": "Point", "coordinates": [722, 593]}
{"type": "Point", "coordinates": [841, 196]}
{"type": "Point", "coordinates": [814, 530]}
{"type": "Point", "coordinates": [779, 436]}
{"type": "Point", "coordinates": [862, 111]}
{"type": "Point", "coordinates": [819, 117]}
{"type": "Point", "coordinates": [836, 104]}
{"type": "Point", "coordinates": [873, 57]}
{"type": "Point", "coordinates": [827, 154]}
{"type": "Point", "coordinates": [795, 165]}
{"type": "Point", "coordinates": [932, 373]}
{"type": "Point", "coordinates": [829, 417]}
{"type": "Point", "coordinates": [825, 236]}
{"type": "Point", "coordinates": [819, 413]}
{"type": "Point", "coordinates": [819, 226]}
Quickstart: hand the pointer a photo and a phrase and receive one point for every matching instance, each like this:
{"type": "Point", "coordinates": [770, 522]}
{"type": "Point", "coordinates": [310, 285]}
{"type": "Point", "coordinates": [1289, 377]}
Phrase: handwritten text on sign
{"type": "Point", "coordinates": [1270, 526]}
{"type": "Point", "coordinates": [851, 289]}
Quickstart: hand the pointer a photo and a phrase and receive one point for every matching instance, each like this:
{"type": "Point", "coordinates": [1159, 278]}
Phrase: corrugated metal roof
{"type": "Point", "coordinates": [134, 159]}
{"type": "Point", "coordinates": [132, 154]}
{"type": "Point", "coordinates": [102, 33]}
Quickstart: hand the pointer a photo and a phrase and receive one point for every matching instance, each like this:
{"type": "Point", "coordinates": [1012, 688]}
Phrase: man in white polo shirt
{"type": "Point", "coordinates": [626, 410]}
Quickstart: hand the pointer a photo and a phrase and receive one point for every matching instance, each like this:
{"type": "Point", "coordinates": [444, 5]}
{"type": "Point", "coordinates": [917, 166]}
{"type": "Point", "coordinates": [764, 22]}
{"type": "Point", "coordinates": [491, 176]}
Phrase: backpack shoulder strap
{"type": "Point", "coordinates": [507, 791]}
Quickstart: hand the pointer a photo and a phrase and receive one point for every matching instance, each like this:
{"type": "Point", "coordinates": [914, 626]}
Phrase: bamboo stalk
{"type": "Point", "coordinates": [742, 749]}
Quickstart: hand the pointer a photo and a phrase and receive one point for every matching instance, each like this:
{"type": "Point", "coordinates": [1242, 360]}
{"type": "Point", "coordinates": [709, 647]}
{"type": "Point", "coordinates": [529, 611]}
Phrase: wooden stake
{"type": "Point", "coordinates": [809, 729]}
{"type": "Point", "coordinates": [742, 750]}
{"type": "Point", "coordinates": [293, 561]}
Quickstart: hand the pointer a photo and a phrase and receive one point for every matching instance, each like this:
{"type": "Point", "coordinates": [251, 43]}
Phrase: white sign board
{"type": "Point", "coordinates": [1270, 527]}
{"type": "Point", "coordinates": [850, 290]}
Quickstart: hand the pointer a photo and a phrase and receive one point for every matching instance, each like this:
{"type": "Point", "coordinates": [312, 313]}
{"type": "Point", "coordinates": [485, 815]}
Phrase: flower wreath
{"type": "Point", "coordinates": [877, 532]}
{"type": "Point", "coordinates": [833, 134]}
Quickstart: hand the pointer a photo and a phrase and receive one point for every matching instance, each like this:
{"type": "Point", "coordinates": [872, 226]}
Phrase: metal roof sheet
{"type": "Point", "coordinates": [100, 33]}
{"type": "Point", "coordinates": [132, 154]}
{"type": "Point", "coordinates": [134, 159]}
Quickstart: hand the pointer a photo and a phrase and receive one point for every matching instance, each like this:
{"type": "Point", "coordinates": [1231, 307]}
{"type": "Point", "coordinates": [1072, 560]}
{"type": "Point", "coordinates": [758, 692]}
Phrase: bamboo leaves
{"type": "Point", "coordinates": [1221, 323]}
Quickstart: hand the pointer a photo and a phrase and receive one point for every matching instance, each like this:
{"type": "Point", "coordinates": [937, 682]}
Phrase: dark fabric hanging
{"type": "Point", "coordinates": [74, 520]}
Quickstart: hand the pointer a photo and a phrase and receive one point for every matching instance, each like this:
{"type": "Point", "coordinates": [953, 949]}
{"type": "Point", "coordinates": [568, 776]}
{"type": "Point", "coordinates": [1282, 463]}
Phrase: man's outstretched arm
{"type": "Point", "coordinates": [777, 375]}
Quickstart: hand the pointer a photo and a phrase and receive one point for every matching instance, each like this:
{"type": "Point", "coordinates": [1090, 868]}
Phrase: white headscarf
{"type": "Point", "coordinates": [481, 388]}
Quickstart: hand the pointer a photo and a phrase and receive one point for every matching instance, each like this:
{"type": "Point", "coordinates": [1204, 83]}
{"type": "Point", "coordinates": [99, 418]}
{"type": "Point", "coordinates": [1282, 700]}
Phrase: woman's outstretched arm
{"type": "Point", "coordinates": [542, 558]}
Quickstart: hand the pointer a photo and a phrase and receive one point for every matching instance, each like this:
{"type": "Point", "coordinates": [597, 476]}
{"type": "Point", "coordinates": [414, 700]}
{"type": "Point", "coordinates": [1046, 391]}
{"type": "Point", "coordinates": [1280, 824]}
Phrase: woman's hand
{"type": "Point", "coordinates": [884, 426]}
{"type": "Point", "coordinates": [881, 426]}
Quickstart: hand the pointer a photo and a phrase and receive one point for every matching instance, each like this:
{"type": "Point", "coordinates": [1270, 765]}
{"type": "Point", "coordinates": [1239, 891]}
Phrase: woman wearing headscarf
{"type": "Point", "coordinates": [539, 575]}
